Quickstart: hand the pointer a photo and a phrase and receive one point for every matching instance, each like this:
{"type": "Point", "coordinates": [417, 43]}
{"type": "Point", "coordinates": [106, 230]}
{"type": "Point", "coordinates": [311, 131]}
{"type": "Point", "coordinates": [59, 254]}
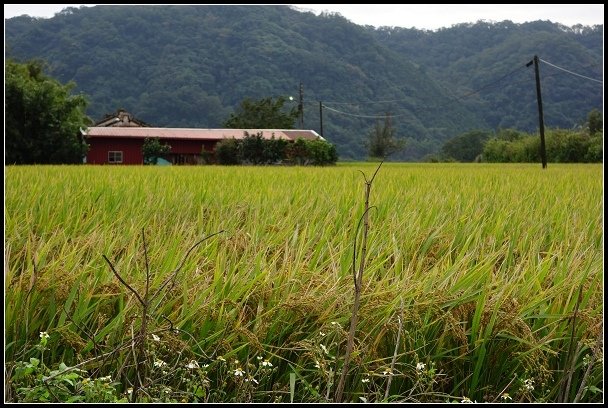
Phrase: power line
{"type": "Point", "coordinates": [491, 84]}
{"type": "Point", "coordinates": [362, 116]}
{"type": "Point", "coordinates": [570, 72]}
{"type": "Point", "coordinates": [453, 99]}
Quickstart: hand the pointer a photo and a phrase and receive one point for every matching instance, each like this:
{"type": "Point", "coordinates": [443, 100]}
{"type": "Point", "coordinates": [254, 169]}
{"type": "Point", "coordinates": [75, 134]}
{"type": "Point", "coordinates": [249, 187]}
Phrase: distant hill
{"type": "Point", "coordinates": [468, 57]}
{"type": "Point", "coordinates": [190, 66]}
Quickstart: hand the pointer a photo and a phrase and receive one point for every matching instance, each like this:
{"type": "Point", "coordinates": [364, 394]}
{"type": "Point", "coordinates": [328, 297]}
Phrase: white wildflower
{"type": "Point", "coordinates": [365, 380]}
{"type": "Point", "coordinates": [159, 363]}
{"type": "Point", "coordinates": [259, 357]}
{"type": "Point", "coordinates": [528, 384]}
{"type": "Point", "coordinates": [387, 372]}
{"type": "Point", "coordinates": [266, 363]}
{"type": "Point", "coordinates": [44, 335]}
{"type": "Point", "coordinates": [466, 400]}
{"type": "Point", "coordinates": [322, 334]}
{"type": "Point", "coordinates": [506, 397]}
{"type": "Point", "coordinates": [324, 349]}
{"type": "Point", "coordinates": [335, 323]}
{"type": "Point", "coordinates": [238, 372]}
{"type": "Point", "coordinates": [192, 365]}
{"type": "Point", "coordinates": [420, 366]}
{"type": "Point", "coordinates": [155, 337]}
{"type": "Point", "coordinates": [586, 360]}
{"type": "Point", "coordinates": [317, 365]}
{"type": "Point", "coordinates": [106, 378]}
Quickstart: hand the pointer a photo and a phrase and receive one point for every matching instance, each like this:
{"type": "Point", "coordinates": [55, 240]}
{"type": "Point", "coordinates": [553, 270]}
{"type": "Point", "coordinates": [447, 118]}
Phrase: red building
{"type": "Point", "coordinates": [120, 142]}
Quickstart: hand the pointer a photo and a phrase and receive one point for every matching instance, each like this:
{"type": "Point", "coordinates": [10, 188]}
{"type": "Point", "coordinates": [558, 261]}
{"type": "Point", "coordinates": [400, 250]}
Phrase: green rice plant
{"type": "Point", "coordinates": [488, 259]}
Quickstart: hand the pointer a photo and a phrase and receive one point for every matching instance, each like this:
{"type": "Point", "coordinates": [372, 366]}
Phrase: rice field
{"type": "Point", "coordinates": [482, 281]}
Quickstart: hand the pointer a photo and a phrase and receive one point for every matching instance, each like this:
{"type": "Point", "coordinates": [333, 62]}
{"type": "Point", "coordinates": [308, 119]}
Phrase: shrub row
{"type": "Point", "coordinates": [254, 149]}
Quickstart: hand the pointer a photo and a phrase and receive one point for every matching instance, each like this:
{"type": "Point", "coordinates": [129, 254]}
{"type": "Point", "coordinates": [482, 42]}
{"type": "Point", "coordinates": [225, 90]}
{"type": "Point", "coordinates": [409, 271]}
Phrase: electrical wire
{"type": "Point", "coordinates": [570, 72]}
{"type": "Point", "coordinates": [363, 116]}
{"type": "Point", "coordinates": [489, 85]}
{"type": "Point", "coordinates": [453, 99]}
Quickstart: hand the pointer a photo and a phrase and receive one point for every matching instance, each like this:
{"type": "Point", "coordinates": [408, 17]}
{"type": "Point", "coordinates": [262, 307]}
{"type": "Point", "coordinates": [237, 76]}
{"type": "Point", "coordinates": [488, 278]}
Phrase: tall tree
{"type": "Point", "coordinates": [595, 121]}
{"type": "Point", "coordinates": [467, 146]}
{"type": "Point", "coordinates": [152, 149]}
{"type": "Point", "coordinates": [262, 114]}
{"type": "Point", "coordinates": [381, 141]}
{"type": "Point", "coordinates": [43, 119]}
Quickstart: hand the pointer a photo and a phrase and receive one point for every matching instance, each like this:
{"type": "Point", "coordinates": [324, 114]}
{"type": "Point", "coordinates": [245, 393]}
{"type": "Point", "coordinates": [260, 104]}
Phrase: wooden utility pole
{"type": "Point", "coordinates": [321, 116]}
{"type": "Point", "coordinates": [301, 106]}
{"type": "Point", "coordinates": [541, 120]}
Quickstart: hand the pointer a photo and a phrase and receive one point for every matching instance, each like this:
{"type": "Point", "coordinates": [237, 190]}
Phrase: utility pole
{"type": "Point", "coordinates": [301, 106]}
{"type": "Point", "coordinates": [321, 116]}
{"type": "Point", "coordinates": [541, 120]}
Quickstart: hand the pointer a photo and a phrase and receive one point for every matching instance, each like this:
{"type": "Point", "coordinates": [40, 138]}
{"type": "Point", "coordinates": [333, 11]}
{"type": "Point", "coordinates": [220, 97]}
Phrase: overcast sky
{"type": "Point", "coordinates": [421, 16]}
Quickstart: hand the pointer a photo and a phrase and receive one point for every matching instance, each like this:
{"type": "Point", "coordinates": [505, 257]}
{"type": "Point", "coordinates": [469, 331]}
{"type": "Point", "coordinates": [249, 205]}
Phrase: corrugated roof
{"type": "Point", "coordinates": [198, 134]}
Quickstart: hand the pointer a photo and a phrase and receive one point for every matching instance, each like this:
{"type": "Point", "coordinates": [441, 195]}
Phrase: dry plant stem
{"type": "Point", "coordinates": [504, 389]}
{"type": "Point", "coordinates": [571, 356]}
{"type": "Point", "coordinates": [594, 352]}
{"type": "Point", "coordinates": [358, 278]}
{"type": "Point", "coordinates": [390, 377]}
{"type": "Point", "coordinates": [138, 342]}
{"type": "Point", "coordinates": [571, 370]}
{"type": "Point", "coordinates": [139, 353]}
{"type": "Point", "coordinates": [86, 333]}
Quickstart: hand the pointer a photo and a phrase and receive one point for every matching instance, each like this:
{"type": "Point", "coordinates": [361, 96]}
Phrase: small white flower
{"type": "Point", "coordinates": [160, 363]}
{"type": "Point", "coordinates": [335, 323]}
{"type": "Point", "coordinates": [528, 384]}
{"type": "Point", "coordinates": [238, 372]}
{"type": "Point", "coordinates": [205, 365]}
{"type": "Point", "coordinates": [420, 366]}
{"type": "Point", "coordinates": [586, 360]}
{"type": "Point", "coordinates": [192, 365]}
{"type": "Point", "coordinates": [365, 380]}
{"type": "Point", "coordinates": [317, 365]}
{"type": "Point", "coordinates": [324, 349]}
{"type": "Point", "coordinates": [155, 337]}
{"type": "Point", "coordinates": [388, 371]}
{"type": "Point", "coordinates": [130, 391]}
{"type": "Point", "coordinates": [106, 378]}
{"type": "Point", "coordinates": [322, 334]}
{"type": "Point", "coordinates": [506, 397]}
{"type": "Point", "coordinates": [252, 380]}
{"type": "Point", "coordinates": [44, 335]}
{"type": "Point", "coordinates": [466, 400]}
{"type": "Point", "coordinates": [266, 363]}
{"type": "Point", "coordinates": [259, 357]}
{"type": "Point", "coordinates": [236, 362]}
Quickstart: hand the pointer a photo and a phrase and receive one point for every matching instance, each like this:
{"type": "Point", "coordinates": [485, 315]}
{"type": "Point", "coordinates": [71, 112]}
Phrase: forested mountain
{"type": "Point", "coordinates": [492, 57]}
{"type": "Point", "coordinates": [190, 66]}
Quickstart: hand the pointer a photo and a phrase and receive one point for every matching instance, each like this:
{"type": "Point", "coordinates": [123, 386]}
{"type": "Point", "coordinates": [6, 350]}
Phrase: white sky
{"type": "Point", "coordinates": [421, 16]}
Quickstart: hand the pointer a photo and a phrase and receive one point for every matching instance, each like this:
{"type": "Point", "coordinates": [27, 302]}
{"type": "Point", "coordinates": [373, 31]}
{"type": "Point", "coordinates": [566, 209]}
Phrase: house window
{"type": "Point", "coordinates": [115, 157]}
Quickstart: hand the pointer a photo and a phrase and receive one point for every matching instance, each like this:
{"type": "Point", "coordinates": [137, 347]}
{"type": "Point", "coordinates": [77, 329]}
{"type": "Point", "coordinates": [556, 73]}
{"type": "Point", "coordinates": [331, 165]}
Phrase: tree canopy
{"type": "Point", "coordinates": [262, 114]}
{"type": "Point", "coordinates": [152, 149]}
{"type": "Point", "coordinates": [43, 118]}
{"type": "Point", "coordinates": [381, 141]}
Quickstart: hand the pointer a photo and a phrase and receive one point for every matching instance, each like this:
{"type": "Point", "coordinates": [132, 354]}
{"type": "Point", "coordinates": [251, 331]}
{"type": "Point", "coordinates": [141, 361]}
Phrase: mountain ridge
{"type": "Point", "coordinates": [190, 66]}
